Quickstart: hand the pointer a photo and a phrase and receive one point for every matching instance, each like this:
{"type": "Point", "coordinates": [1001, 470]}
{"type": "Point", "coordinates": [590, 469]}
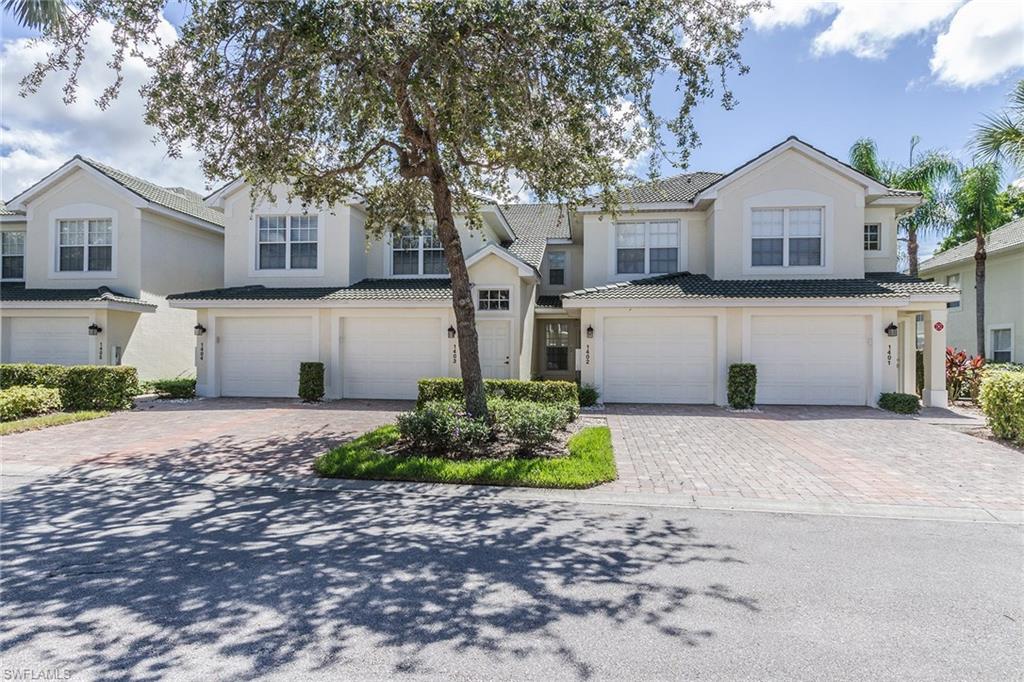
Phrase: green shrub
{"type": "Point", "coordinates": [82, 387]}
{"type": "Point", "coordinates": [919, 371]}
{"type": "Point", "coordinates": [900, 403]}
{"type": "Point", "coordinates": [588, 395]}
{"type": "Point", "coordinates": [996, 367]}
{"type": "Point", "coordinates": [742, 386]}
{"type": "Point", "coordinates": [530, 424]}
{"type": "Point", "coordinates": [173, 388]}
{"type": "Point", "coordinates": [441, 426]}
{"type": "Point", "coordinates": [27, 374]}
{"type": "Point", "coordinates": [450, 388]}
{"type": "Point", "coordinates": [26, 401]}
{"type": "Point", "coordinates": [1002, 401]}
{"type": "Point", "coordinates": [311, 381]}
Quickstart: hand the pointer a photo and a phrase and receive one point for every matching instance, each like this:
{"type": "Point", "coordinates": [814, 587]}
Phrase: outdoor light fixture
{"type": "Point", "coordinates": [94, 329]}
{"type": "Point", "coordinates": [451, 332]}
{"type": "Point", "coordinates": [199, 330]}
{"type": "Point", "coordinates": [892, 329]}
{"type": "Point", "coordinates": [590, 332]}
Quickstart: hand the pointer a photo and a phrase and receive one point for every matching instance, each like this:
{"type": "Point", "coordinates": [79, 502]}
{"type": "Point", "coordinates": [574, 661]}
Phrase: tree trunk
{"type": "Point", "coordinates": [912, 251]}
{"type": "Point", "coordinates": [462, 295]}
{"type": "Point", "coordinates": [979, 289]}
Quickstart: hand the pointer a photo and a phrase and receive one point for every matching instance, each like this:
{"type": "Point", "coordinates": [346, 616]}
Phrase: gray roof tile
{"type": "Point", "coordinates": [675, 188]}
{"type": "Point", "coordinates": [533, 225]}
{"type": "Point", "coordinates": [549, 301]}
{"type": "Point", "coordinates": [426, 289]}
{"type": "Point", "coordinates": [16, 291]}
{"type": "Point", "coordinates": [1008, 236]}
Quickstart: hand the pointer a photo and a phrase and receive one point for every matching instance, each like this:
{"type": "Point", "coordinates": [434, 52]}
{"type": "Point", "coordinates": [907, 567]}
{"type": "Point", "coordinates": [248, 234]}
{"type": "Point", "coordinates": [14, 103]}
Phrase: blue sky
{"type": "Point", "coordinates": [828, 72]}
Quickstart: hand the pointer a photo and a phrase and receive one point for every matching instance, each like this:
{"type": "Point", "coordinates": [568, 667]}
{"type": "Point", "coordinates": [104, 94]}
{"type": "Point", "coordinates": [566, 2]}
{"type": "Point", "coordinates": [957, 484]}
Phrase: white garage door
{"type": "Point", "coordinates": [810, 360]}
{"type": "Point", "coordinates": [385, 357]}
{"type": "Point", "coordinates": [260, 356]}
{"type": "Point", "coordinates": [659, 360]}
{"type": "Point", "coordinates": [49, 340]}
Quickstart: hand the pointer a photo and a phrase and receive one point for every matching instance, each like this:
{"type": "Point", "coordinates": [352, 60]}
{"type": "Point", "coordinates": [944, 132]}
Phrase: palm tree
{"type": "Point", "coordinates": [36, 14]}
{"type": "Point", "coordinates": [927, 173]}
{"type": "Point", "coordinates": [975, 197]}
{"type": "Point", "coordinates": [1001, 136]}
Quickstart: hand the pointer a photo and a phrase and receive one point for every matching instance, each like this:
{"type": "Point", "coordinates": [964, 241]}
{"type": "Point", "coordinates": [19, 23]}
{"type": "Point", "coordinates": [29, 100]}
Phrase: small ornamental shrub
{"type": "Point", "coordinates": [450, 388]}
{"type": "Point", "coordinates": [742, 386]}
{"type": "Point", "coordinates": [440, 426]}
{"type": "Point", "coordinates": [17, 402]}
{"type": "Point", "coordinates": [900, 403]}
{"type": "Point", "coordinates": [588, 395]}
{"type": "Point", "coordinates": [82, 387]}
{"type": "Point", "coordinates": [963, 374]}
{"type": "Point", "coordinates": [1002, 401]}
{"type": "Point", "coordinates": [173, 388]}
{"type": "Point", "coordinates": [530, 424]}
{"type": "Point", "coordinates": [311, 381]}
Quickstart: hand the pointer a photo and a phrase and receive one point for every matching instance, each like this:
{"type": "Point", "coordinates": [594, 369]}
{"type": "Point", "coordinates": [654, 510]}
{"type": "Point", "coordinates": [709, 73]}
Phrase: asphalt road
{"type": "Point", "coordinates": [153, 581]}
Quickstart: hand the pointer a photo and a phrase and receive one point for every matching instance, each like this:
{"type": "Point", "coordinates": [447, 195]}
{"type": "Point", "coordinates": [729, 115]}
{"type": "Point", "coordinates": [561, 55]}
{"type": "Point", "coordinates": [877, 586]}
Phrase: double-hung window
{"type": "Point", "coordinates": [12, 254]}
{"type": "Point", "coordinates": [556, 268]}
{"type": "Point", "coordinates": [786, 237]}
{"type": "Point", "coordinates": [493, 299]}
{"type": "Point", "coordinates": [556, 346]}
{"type": "Point", "coordinates": [954, 282]}
{"type": "Point", "coordinates": [646, 248]}
{"type": "Point", "coordinates": [287, 242]}
{"type": "Point", "coordinates": [85, 245]}
{"type": "Point", "coordinates": [417, 253]}
{"type": "Point", "coordinates": [1002, 345]}
{"type": "Point", "coordinates": [872, 237]}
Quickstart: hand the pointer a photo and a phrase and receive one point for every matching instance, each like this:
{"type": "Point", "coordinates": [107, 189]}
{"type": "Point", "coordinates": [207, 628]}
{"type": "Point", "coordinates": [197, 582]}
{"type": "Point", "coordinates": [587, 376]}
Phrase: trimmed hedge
{"type": "Point", "coordinates": [173, 388]}
{"type": "Point", "coordinates": [82, 387]}
{"type": "Point", "coordinates": [26, 401]}
{"type": "Point", "coordinates": [450, 388]}
{"type": "Point", "coordinates": [900, 403]}
{"type": "Point", "coordinates": [311, 381]}
{"type": "Point", "coordinates": [742, 386]}
{"type": "Point", "coordinates": [1002, 401]}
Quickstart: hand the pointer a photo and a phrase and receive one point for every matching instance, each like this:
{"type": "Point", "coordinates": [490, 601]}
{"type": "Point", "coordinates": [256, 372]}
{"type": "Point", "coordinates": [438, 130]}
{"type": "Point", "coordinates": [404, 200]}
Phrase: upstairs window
{"type": "Point", "coordinates": [287, 242]}
{"type": "Point", "coordinates": [85, 245]}
{"type": "Point", "coordinates": [556, 268]}
{"type": "Point", "coordinates": [786, 237]}
{"type": "Point", "coordinates": [873, 237]}
{"type": "Point", "coordinates": [1002, 345]}
{"type": "Point", "coordinates": [493, 299]}
{"type": "Point", "coordinates": [417, 253]}
{"type": "Point", "coordinates": [646, 248]}
{"type": "Point", "coordinates": [12, 254]}
{"type": "Point", "coordinates": [953, 281]}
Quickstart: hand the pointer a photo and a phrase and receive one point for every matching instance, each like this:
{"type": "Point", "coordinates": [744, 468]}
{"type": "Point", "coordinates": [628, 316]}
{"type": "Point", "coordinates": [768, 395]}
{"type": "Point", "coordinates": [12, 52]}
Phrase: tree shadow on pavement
{"type": "Point", "coordinates": [137, 581]}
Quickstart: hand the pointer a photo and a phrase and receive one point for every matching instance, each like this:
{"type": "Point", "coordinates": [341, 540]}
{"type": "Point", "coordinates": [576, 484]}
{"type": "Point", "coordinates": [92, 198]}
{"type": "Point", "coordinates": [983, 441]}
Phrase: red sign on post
{"type": "Point", "coordinates": [939, 326]}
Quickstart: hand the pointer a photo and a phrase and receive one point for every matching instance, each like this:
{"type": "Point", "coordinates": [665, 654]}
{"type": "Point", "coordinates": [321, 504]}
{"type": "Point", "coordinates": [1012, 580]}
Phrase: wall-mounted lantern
{"type": "Point", "coordinates": [590, 331]}
{"type": "Point", "coordinates": [94, 329]}
{"type": "Point", "coordinates": [451, 332]}
{"type": "Point", "coordinates": [892, 329]}
{"type": "Point", "coordinates": [199, 330]}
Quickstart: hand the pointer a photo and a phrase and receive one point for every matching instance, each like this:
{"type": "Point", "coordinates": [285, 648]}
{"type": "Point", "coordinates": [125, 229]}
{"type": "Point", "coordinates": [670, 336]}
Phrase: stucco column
{"type": "Point", "coordinates": [935, 358]}
{"type": "Point", "coordinates": [588, 355]}
{"type": "Point", "coordinates": [908, 354]}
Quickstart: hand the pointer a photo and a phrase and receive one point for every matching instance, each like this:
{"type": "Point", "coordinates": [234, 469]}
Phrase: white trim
{"type": "Point", "coordinates": [83, 211]}
{"type": "Point", "coordinates": [682, 249]}
{"type": "Point", "coordinates": [909, 201]}
{"type": "Point", "coordinates": [24, 245]}
{"type": "Point", "coordinates": [198, 304]}
{"type": "Point", "coordinates": [786, 200]}
{"type": "Point", "coordinates": [560, 241]}
{"type": "Point", "coordinates": [76, 163]}
{"type": "Point", "coordinates": [80, 305]}
{"type": "Point", "coordinates": [990, 345]}
{"type": "Point", "coordinates": [389, 260]}
{"type": "Point", "coordinates": [477, 288]}
{"type": "Point", "coordinates": [546, 269]}
{"type": "Point", "coordinates": [642, 207]}
{"type": "Point", "coordinates": [880, 251]}
{"type": "Point", "coordinates": [287, 271]}
{"type": "Point", "coordinates": [495, 250]}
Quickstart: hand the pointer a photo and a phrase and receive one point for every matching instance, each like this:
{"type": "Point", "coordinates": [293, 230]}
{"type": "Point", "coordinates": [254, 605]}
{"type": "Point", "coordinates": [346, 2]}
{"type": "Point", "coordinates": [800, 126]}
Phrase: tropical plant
{"type": "Point", "coordinates": [963, 374]}
{"type": "Point", "coordinates": [37, 14]}
{"type": "Point", "coordinates": [1001, 136]}
{"type": "Point", "coordinates": [928, 173]}
{"type": "Point", "coordinates": [1009, 207]}
{"type": "Point", "coordinates": [420, 107]}
{"type": "Point", "coordinates": [974, 196]}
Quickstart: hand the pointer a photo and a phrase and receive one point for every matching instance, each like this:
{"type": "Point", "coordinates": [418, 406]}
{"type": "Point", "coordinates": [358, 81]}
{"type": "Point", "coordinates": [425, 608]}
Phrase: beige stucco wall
{"type": "Point", "coordinates": [1004, 301]}
{"type": "Point", "coordinates": [573, 269]}
{"type": "Point", "coordinates": [886, 259]}
{"type": "Point", "coordinates": [378, 252]}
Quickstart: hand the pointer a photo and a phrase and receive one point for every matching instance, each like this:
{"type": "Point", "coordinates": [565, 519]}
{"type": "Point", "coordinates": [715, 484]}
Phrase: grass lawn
{"type": "Point", "coordinates": [590, 461]}
{"type": "Point", "coordinates": [45, 420]}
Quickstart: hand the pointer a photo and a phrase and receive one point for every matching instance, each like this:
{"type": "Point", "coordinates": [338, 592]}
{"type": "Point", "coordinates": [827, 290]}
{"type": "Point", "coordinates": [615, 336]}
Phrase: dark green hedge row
{"type": "Point", "coordinates": [900, 403]}
{"type": "Point", "coordinates": [742, 386]}
{"type": "Point", "coordinates": [445, 388]}
{"type": "Point", "coordinates": [82, 387]}
{"type": "Point", "coordinates": [173, 388]}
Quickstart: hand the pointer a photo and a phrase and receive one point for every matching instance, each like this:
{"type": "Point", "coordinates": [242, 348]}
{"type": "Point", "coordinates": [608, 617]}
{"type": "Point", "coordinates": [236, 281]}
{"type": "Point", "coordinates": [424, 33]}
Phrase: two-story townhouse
{"type": "Point", "coordinates": [1004, 293]}
{"type": "Point", "coordinates": [788, 262]}
{"type": "Point", "coordinates": [89, 255]}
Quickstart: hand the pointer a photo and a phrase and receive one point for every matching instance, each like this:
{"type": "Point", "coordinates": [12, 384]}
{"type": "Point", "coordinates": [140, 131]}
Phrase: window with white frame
{"type": "Point", "coordinates": [786, 237]}
{"type": "Point", "coordinates": [954, 282]}
{"type": "Point", "coordinates": [85, 245]}
{"type": "Point", "coordinates": [493, 299]}
{"type": "Point", "coordinates": [646, 248]}
{"type": "Point", "coordinates": [286, 242]}
{"type": "Point", "coordinates": [1002, 344]}
{"type": "Point", "coordinates": [12, 254]}
{"type": "Point", "coordinates": [872, 237]}
{"type": "Point", "coordinates": [417, 253]}
{"type": "Point", "coordinates": [556, 346]}
{"type": "Point", "coordinates": [556, 268]}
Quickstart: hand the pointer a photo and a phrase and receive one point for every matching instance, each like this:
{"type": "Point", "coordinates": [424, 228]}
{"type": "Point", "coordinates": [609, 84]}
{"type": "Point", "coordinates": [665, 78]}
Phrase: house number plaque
{"type": "Point", "coordinates": [888, 355]}
{"type": "Point", "coordinates": [586, 357]}
{"type": "Point", "coordinates": [455, 358]}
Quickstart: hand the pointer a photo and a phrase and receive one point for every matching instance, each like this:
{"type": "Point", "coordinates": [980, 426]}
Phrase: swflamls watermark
{"type": "Point", "coordinates": [36, 674]}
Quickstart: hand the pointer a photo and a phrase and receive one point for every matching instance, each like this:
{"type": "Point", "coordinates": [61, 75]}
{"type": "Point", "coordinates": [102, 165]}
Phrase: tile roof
{"type": "Point", "coordinates": [16, 291]}
{"type": "Point", "coordinates": [683, 285]}
{"type": "Point", "coordinates": [533, 225]}
{"type": "Point", "coordinates": [549, 301]}
{"type": "Point", "coordinates": [6, 211]}
{"type": "Point", "coordinates": [675, 188]}
{"type": "Point", "coordinates": [426, 289]}
{"type": "Point", "coordinates": [894, 192]}
{"type": "Point", "coordinates": [1008, 236]}
{"type": "Point", "coordinates": [177, 199]}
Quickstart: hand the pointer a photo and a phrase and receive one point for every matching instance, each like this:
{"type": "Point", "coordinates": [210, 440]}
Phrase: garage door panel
{"type": "Point", "coordinates": [260, 356]}
{"type": "Point", "coordinates": [49, 340]}
{"type": "Point", "coordinates": [386, 357]}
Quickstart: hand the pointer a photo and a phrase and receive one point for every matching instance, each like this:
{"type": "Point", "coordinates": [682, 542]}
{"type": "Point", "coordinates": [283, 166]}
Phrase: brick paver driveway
{"type": "Point", "coordinates": [234, 435]}
{"type": "Point", "coordinates": [810, 454]}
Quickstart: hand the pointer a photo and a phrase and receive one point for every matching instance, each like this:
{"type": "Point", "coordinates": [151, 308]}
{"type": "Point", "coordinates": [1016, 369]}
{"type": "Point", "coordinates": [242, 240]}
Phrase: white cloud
{"type": "Point", "coordinates": [784, 13]}
{"type": "Point", "coordinates": [985, 40]}
{"type": "Point", "coordinates": [40, 132]}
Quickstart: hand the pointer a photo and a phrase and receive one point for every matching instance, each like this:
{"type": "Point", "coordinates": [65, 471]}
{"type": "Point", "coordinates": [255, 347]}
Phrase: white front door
{"type": "Point", "coordinates": [385, 357]}
{"type": "Point", "coordinates": [495, 339]}
{"type": "Point", "coordinates": [260, 356]}
{"type": "Point", "coordinates": [49, 340]}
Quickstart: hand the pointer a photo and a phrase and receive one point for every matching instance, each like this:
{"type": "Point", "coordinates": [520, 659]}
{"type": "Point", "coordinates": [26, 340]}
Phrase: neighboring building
{"type": "Point", "coordinates": [1004, 293]}
{"type": "Point", "coordinates": [89, 255]}
{"type": "Point", "coordinates": [788, 262]}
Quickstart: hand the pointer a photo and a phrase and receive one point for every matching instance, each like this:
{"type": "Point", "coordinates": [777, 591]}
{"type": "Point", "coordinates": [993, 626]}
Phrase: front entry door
{"type": "Point", "coordinates": [495, 348]}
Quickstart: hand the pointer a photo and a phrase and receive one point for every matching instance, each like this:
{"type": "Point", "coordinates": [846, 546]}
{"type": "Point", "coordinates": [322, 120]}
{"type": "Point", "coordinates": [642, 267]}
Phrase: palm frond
{"type": "Point", "coordinates": [36, 14]}
{"type": "Point", "coordinates": [1000, 136]}
{"type": "Point", "coordinates": [864, 157]}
